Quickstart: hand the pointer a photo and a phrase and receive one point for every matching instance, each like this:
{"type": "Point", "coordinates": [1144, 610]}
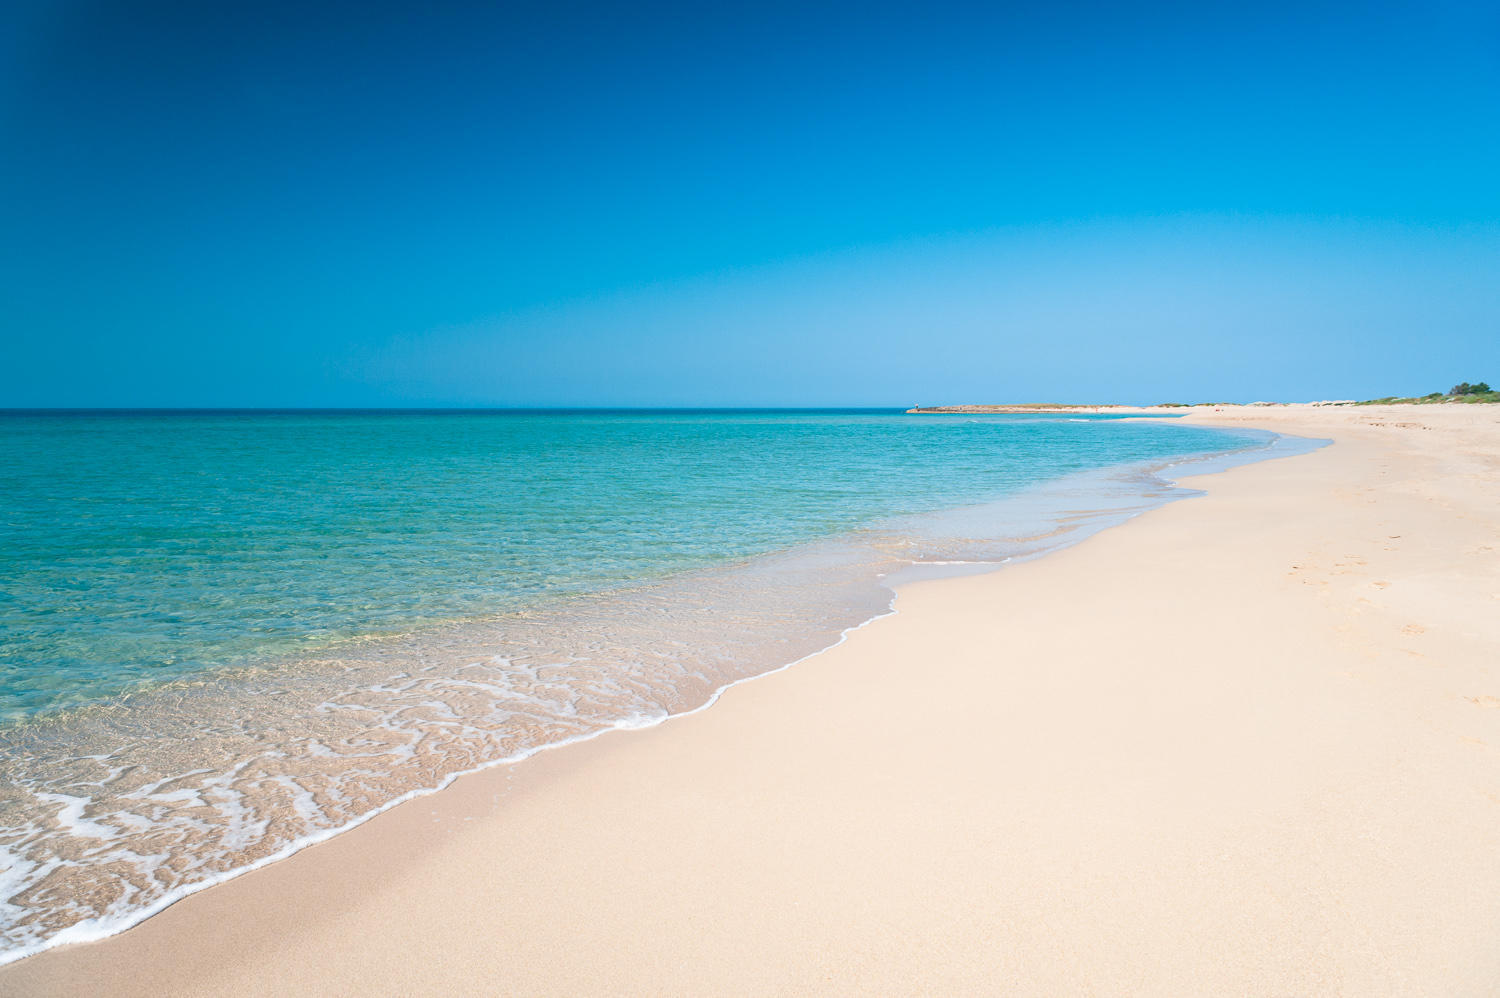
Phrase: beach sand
{"type": "Point", "coordinates": [1246, 743]}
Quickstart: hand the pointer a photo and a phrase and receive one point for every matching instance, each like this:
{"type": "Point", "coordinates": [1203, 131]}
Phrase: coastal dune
{"type": "Point", "coordinates": [1248, 743]}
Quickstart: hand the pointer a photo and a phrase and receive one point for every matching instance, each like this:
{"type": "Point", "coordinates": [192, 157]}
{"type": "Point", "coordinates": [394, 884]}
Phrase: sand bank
{"type": "Point", "coordinates": [1246, 743]}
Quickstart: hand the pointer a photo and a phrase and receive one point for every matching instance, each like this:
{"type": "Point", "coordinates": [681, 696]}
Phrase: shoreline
{"type": "Point", "coordinates": [68, 962]}
{"type": "Point", "coordinates": [1075, 505]}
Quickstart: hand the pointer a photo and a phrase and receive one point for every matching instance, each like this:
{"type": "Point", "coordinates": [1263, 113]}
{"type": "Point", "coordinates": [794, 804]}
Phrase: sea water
{"type": "Point", "coordinates": [224, 635]}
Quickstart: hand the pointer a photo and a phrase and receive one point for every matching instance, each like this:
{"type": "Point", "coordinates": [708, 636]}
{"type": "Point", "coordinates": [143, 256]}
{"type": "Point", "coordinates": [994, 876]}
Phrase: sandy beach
{"type": "Point", "coordinates": [1246, 743]}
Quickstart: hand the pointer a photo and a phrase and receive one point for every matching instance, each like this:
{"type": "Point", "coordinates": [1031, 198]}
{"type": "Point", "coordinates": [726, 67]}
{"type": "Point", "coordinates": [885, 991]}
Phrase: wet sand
{"type": "Point", "coordinates": [1249, 742]}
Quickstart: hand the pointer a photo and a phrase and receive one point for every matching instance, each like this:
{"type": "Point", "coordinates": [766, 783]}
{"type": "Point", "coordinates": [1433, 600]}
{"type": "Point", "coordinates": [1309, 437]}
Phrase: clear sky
{"type": "Point", "coordinates": [437, 203]}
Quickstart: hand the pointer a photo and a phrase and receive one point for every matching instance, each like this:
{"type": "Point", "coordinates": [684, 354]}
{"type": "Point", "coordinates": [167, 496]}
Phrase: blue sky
{"type": "Point", "coordinates": [576, 204]}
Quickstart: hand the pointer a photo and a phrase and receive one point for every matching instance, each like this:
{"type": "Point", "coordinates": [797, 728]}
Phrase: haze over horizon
{"type": "Point", "coordinates": [579, 204]}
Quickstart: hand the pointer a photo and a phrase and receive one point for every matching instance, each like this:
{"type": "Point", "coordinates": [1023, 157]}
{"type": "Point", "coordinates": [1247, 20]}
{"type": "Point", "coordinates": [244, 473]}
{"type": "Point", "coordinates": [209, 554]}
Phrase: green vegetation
{"type": "Point", "coordinates": [1463, 392]}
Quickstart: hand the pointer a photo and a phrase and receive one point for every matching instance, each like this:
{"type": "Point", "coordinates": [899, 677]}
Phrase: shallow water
{"type": "Point", "coordinates": [226, 635]}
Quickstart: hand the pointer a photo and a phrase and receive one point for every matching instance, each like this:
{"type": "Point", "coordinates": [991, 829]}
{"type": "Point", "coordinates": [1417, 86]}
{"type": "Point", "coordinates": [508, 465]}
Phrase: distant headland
{"type": "Point", "coordinates": [982, 409]}
{"type": "Point", "coordinates": [1462, 393]}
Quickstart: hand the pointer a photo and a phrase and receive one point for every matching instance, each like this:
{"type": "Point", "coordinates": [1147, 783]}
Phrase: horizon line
{"type": "Point", "coordinates": [27, 410]}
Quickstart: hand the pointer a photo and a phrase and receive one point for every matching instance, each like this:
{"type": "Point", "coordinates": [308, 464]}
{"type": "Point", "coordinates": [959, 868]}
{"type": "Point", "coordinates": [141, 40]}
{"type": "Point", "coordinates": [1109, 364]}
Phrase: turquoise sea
{"type": "Point", "coordinates": [224, 635]}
